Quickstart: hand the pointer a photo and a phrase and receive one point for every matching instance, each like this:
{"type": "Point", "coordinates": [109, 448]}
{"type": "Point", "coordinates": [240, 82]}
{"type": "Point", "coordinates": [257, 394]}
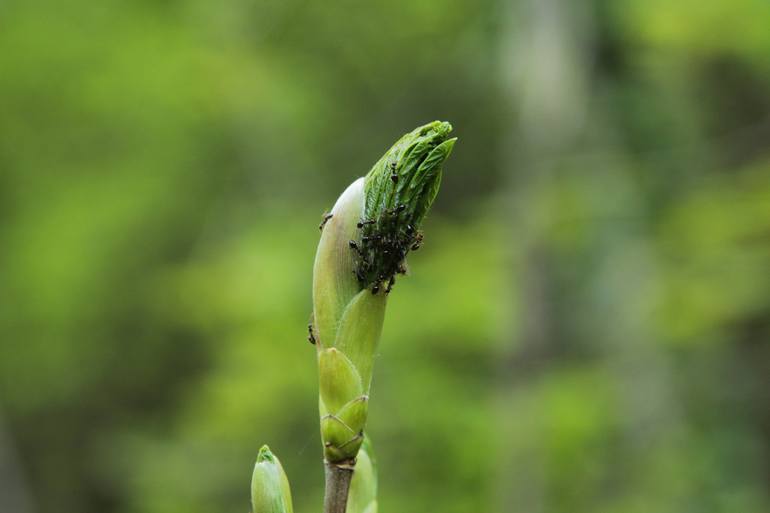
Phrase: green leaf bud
{"type": "Point", "coordinates": [270, 492]}
{"type": "Point", "coordinates": [364, 242]}
{"type": "Point", "coordinates": [399, 191]}
{"type": "Point", "coordinates": [343, 432]}
{"type": "Point", "coordinates": [362, 497]}
{"type": "Point", "coordinates": [354, 413]}
{"type": "Point", "coordinates": [343, 406]}
{"type": "Point", "coordinates": [339, 381]}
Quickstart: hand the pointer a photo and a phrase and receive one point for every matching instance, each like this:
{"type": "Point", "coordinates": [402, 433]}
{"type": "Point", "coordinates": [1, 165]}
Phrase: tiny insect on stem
{"type": "Point", "coordinates": [325, 220]}
{"type": "Point", "coordinates": [310, 336]}
{"type": "Point", "coordinates": [391, 282]}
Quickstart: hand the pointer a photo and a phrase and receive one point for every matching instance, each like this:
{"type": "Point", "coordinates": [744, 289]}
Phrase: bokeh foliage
{"type": "Point", "coordinates": [585, 330]}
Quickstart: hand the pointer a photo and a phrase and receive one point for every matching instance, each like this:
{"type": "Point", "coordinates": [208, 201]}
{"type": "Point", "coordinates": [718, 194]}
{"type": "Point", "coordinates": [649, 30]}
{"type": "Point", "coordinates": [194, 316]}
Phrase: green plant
{"type": "Point", "coordinates": [364, 243]}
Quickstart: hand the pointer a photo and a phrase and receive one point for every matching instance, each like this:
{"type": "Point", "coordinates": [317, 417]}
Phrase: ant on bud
{"type": "Point", "coordinates": [354, 246]}
{"type": "Point", "coordinates": [325, 219]}
{"type": "Point", "coordinates": [393, 174]}
{"type": "Point", "coordinates": [310, 336]}
{"type": "Point", "coordinates": [417, 242]}
{"type": "Point", "coordinates": [376, 289]}
{"type": "Point", "coordinates": [361, 224]}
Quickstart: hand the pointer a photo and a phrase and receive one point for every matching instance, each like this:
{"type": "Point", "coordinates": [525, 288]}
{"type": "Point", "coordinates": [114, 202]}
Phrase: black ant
{"type": "Point", "coordinates": [393, 174]}
{"type": "Point", "coordinates": [376, 289]}
{"type": "Point", "coordinates": [361, 224]}
{"type": "Point", "coordinates": [354, 245]}
{"type": "Point", "coordinates": [325, 219]}
{"type": "Point", "coordinates": [310, 336]}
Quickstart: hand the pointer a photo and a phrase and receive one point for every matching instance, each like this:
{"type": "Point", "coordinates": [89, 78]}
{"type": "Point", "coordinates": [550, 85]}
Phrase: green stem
{"type": "Point", "coordinates": [338, 477]}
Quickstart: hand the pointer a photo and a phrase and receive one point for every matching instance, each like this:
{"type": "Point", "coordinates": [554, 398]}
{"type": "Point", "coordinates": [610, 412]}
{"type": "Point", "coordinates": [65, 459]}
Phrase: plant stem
{"type": "Point", "coordinates": [338, 477]}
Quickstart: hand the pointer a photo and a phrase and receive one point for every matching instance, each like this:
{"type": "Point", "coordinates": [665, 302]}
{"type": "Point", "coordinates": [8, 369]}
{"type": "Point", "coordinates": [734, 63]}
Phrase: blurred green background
{"type": "Point", "coordinates": [585, 330]}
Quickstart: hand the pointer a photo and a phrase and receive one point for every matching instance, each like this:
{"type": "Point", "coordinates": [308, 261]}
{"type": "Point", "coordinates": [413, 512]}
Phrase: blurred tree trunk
{"type": "Point", "coordinates": [543, 68]}
{"type": "Point", "coordinates": [14, 496]}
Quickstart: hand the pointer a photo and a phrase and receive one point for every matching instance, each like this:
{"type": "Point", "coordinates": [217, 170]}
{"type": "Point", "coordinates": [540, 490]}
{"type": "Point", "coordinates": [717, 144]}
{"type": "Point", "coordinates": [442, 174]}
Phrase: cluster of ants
{"type": "Point", "coordinates": [380, 254]}
{"type": "Point", "coordinates": [383, 246]}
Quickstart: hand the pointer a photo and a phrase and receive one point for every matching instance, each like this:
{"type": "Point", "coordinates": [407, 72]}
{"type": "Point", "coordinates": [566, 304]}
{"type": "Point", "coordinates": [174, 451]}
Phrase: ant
{"type": "Point", "coordinates": [393, 175]}
{"type": "Point", "coordinates": [325, 219]}
{"type": "Point", "coordinates": [361, 224]}
{"type": "Point", "coordinates": [417, 242]}
{"type": "Point", "coordinates": [391, 282]}
{"type": "Point", "coordinates": [354, 245]}
{"type": "Point", "coordinates": [376, 289]}
{"type": "Point", "coordinates": [310, 336]}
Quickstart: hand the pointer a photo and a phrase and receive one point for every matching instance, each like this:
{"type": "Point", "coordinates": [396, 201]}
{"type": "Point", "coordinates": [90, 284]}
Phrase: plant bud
{"type": "Point", "coordinates": [362, 497]}
{"type": "Point", "coordinates": [399, 191]}
{"type": "Point", "coordinates": [343, 406]}
{"type": "Point", "coordinates": [364, 242]}
{"type": "Point", "coordinates": [340, 382]}
{"type": "Point", "coordinates": [270, 492]}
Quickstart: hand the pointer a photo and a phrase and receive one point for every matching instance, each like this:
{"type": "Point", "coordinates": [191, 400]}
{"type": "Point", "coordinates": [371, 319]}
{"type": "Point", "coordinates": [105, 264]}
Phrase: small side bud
{"type": "Point", "coordinates": [343, 406]}
{"type": "Point", "coordinates": [362, 497]}
{"type": "Point", "coordinates": [343, 432]}
{"type": "Point", "coordinates": [339, 381]}
{"type": "Point", "coordinates": [270, 491]}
